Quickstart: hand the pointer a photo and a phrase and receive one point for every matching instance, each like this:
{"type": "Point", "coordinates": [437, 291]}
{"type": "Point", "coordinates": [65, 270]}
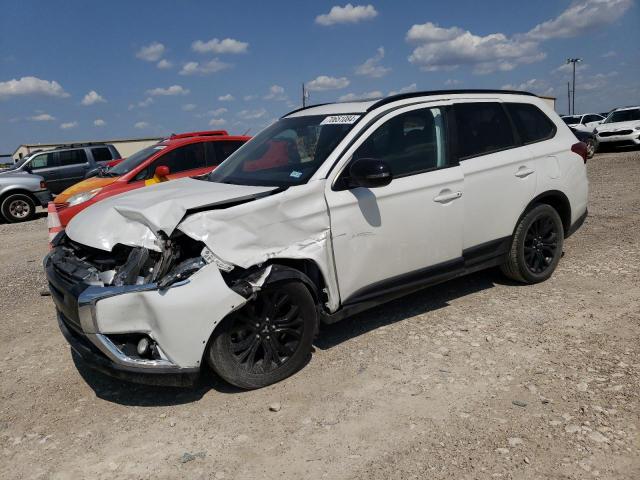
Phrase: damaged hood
{"type": "Point", "coordinates": [134, 218]}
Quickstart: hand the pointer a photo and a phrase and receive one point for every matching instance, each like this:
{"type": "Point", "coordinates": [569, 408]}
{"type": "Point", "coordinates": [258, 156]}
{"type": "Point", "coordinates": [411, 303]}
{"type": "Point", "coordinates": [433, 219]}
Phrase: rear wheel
{"type": "Point", "coordinates": [18, 207]}
{"type": "Point", "coordinates": [267, 340]}
{"type": "Point", "coordinates": [591, 147]}
{"type": "Point", "coordinates": [536, 247]}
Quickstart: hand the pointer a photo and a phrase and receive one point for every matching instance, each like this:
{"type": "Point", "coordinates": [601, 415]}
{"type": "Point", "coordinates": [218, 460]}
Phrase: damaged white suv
{"type": "Point", "coordinates": [331, 210]}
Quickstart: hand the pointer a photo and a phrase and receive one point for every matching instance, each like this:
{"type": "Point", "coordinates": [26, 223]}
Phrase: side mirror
{"type": "Point", "coordinates": [162, 172]}
{"type": "Point", "coordinates": [369, 173]}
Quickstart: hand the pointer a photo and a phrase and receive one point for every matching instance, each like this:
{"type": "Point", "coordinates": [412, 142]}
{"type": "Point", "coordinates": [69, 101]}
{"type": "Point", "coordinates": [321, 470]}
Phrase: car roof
{"type": "Point", "coordinates": [364, 106]}
{"type": "Point", "coordinates": [208, 136]}
{"type": "Point", "coordinates": [626, 108]}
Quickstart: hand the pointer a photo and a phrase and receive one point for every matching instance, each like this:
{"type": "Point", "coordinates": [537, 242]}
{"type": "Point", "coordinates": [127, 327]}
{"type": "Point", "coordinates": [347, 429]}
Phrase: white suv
{"type": "Point", "coordinates": [585, 123]}
{"type": "Point", "coordinates": [620, 129]}
{"type": "Point", "coordinates": [331, 210]}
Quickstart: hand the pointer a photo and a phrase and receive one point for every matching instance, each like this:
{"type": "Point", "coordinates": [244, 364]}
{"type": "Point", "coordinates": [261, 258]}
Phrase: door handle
{"type": "Point", "coordinates": [447, 196]}
{"type": "Point", "coordinates": [524, 172]}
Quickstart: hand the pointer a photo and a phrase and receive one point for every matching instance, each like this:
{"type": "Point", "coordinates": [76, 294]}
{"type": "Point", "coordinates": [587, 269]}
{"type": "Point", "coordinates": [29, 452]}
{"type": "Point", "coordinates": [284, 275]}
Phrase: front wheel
{"type": "Point", "coordinates": [591, 147]}
{"type": "Point", "coordinates": [18, 207]}
{"type": "Point", "coordinates": [536, 247]}
{"type": "Point", "coordinates": [267, 340]}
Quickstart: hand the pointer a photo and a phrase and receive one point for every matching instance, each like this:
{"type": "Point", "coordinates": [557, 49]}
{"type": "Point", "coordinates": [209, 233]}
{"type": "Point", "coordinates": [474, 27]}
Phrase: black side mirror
{"type": "Point", "coordinates": [369, 173]}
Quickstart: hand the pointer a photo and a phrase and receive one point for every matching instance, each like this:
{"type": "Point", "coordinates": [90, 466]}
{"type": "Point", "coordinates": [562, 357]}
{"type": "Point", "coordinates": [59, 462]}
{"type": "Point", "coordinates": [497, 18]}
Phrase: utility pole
{"type": "Point", "coordinates": [305, 95]}
{"type": "Point", "coordinates": [573, 93]}
{"type": "Point", "coordinates": [568, 98]}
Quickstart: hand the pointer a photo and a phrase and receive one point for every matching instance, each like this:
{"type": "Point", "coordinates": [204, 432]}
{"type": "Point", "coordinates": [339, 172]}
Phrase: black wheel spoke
{"type": "Point", "coordinates": [540, 244]}
{"type": "Point", "coordinates": [243, 345]}
{"type": "Point", "coordinates": [290, 332]}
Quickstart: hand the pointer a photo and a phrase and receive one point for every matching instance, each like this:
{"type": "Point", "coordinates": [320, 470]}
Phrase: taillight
{"type": "Point", "coordinates": [43, 185]}
{"type": "Point", "coordinates": [581, 149]}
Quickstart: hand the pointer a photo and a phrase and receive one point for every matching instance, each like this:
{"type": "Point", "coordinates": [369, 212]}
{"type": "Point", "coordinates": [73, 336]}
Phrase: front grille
{"type": "Point", "coordinates": [613, 134]}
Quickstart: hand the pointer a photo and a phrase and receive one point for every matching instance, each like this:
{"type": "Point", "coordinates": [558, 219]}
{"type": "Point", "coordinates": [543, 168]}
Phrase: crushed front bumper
{"type": "Point", "coordinates": [179, 319]}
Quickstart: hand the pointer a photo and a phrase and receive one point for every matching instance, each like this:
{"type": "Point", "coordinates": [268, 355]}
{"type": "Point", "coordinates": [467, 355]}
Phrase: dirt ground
{"type": "Point", "coordinates": [475, 378]}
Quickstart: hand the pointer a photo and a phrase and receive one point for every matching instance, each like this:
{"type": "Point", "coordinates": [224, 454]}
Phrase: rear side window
{"type": "Point", "coordinates": [72, 157]}
{"type": "Point", "coordinates": [532, 124]}
{"type": "Point", "coordinates": [101, 154]}
{"type": "Point", "coordinates": [482, 128]}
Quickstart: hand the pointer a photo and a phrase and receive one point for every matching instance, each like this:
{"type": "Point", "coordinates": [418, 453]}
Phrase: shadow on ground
{"type": "Point", "coordinates": [427, 300]}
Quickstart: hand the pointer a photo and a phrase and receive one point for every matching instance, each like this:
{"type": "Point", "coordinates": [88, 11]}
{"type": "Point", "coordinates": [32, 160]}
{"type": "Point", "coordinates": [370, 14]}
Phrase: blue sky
{"type": "Point", "coordinates": [78, 70]}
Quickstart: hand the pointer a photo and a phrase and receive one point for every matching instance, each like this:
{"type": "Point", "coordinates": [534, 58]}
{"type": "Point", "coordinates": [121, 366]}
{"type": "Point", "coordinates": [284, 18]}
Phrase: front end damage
{"type": "Point", "coordinates": [147, 299]}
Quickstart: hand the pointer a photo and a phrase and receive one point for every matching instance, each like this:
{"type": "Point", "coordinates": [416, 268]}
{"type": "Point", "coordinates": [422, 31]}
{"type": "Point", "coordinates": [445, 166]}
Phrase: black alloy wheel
{"type": "Point", "coordinates": [268, 339]}
{"type": "Point", "coordinates": [540, 244]}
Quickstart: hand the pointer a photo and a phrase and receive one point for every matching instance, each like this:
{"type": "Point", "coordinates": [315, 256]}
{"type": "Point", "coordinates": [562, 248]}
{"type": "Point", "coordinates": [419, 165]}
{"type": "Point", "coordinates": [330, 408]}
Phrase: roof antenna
{"type": "Point", "coordinates": [246, 132]}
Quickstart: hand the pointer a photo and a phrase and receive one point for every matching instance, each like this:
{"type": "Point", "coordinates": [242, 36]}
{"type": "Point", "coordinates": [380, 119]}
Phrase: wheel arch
{"type": "Point", "coordinates": [556, 199]}
{"type": "Point", "coordinates": [15, 191]}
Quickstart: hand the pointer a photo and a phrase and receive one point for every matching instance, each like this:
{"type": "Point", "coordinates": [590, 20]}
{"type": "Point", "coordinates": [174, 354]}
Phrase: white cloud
{"type": "Point", "coordinates": [534, 85]}
{"type": "Point", "coordinates": [189, 107]}
{"type": "Point", "coordinates": [276, 92]}
{"type": "Point", "coordinates": [347, 14]}
{"type": "Point", "coordinates": [98, 122]}
{"type": "Point", "coordinates": [581, 17]}
{"type": "Point", "coordinates": [217, 122]}
{"type": "Point", "coordinates": [448, 48]}
{"type": "Point", "coordinates": [216, 112]}
{"type": "Point", "coordinates": [248, 98]}
{"type": "Point", "coordinates": [567, 68]}
{"type": "Point", "coordinates": [43, 117]}
{"type": "Point", "coordinates": [324, 82]}
{"type": "Point", "coordinates": [372, 68]}
{"type": "Point", "coordinates": [409, 88]}
{"type": "Point", "coordinates": [350, 97]}
{"type": "Point", "coordinates": [228, 45]}
{"type": "Point", "coordinates": [226, 98]}
{"type": "Point", "coordinates": [91, 98]}
{"type": "Point", "coordinates": [31, 86]}
{"type": "Point", "coordinates": [172, 90]}
{"type": "Point", "coordinates": [164, 64]}
{"type": "Point", "coordinates": [595, 82]}
{"type": "Point", "coordinates": [152, 52]}
{"type": "Point", "coordinates": [140, 125]}
{"type": "Point", "coordinates": [68, 125]}
{"type": "Point", "coordinates": [252, 114]}
{"type": "Point", "coordinates": [451, 82]}
{"type": "Point", "coordinates": [609, 54]}
{"type": "Point", "coordinates": [197, 68]}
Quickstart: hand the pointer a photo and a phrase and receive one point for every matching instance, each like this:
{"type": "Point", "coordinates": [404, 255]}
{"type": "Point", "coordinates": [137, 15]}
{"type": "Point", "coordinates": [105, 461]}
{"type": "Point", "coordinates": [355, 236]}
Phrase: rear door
{"type": "Point", "coordinates": [499, 173]}
{"type": "Point", "coordinates": [46, 165]}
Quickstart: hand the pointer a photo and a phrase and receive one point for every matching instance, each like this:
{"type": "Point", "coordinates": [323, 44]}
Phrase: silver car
{"type": "Point", "coordinates": [20, 194]}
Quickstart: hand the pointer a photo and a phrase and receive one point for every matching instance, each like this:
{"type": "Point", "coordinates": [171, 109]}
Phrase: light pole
{"type": "Point", "coordinates": [573, 93]}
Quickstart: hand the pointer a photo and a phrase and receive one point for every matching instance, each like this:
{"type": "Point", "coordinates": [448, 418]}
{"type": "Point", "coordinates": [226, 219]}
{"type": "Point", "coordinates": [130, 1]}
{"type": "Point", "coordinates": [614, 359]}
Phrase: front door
{"type": "Point", "coordinates": [410, 230]}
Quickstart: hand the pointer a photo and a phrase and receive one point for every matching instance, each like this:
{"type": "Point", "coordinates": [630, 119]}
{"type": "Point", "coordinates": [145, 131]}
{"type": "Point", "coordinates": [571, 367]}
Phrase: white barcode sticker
{"type": "Point", "coordinates": [340, 120]}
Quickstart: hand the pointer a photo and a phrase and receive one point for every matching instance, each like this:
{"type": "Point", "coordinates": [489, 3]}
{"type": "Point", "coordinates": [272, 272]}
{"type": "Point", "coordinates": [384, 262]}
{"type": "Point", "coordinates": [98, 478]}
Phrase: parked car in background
{"type": "Point", "coordinates": [20, 193]}
{"type": "Point", "coordinates": [585, 123]}
{"type": "Point", "coordinates": [589, 139]}
{"type": "Point", "coordinates": [620, 129]}
{"type": "Point", "coordinates": [66, 165]}
{"type": "Point", "coordinates": [367, 202]}
{"type": "Point", "coordinates": [104, 166]}
{"type": "Point", "coordinates": [182, 155]}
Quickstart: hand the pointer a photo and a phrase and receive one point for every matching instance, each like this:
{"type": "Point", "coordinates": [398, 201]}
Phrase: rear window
{"type": "Point", "coordinates": [571, 120]}
{"type": "Point", "coordinates": [532, 124]}
{"type": "Point", "coordinates": [482, 128]}
{"type": "Point", "coordinates": [101, 154]}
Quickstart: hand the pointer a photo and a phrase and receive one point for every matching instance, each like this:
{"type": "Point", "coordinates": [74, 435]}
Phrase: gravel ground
{"type": "Point", "coordinates": [475, 378]}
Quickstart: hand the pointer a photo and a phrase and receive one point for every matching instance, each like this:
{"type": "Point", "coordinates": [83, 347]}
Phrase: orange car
{"type": "Point", "coordinates": [183, 155]}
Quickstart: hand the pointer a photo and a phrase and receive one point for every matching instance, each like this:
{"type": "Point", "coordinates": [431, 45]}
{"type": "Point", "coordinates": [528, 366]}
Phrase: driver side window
{"type": "Point", "coordinates": [44, 160]}
{"type": "Point", "coordinates": [409, 143]}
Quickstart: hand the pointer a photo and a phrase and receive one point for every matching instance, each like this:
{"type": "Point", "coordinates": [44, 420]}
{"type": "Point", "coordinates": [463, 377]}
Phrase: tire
{"type": "Point", "coordinates": [18, 207]}
{"type": "Point", "coordinates": [591, 147]}
{"type": "Point", "coordinates": [536, 247]}
{"type": "Point", "coordinates": [266, 341]}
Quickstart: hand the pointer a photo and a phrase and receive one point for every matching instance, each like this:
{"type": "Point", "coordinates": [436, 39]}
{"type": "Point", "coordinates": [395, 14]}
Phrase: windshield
{"type": "Point", "coordinates": [623, 116]}
{"type": "Point", "coordinates": [571, 120]}
{"type": "Point", "coordinates": [131, 162]}
{"type": "Point", "coordinates": [286, 153]}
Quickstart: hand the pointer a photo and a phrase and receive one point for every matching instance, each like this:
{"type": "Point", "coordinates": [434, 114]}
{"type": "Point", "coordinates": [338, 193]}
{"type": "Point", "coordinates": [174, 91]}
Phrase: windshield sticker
{"type": "Point", "coordinates": [340, 120]}
{"type": "Point", "coordinates": [295, 174]}
{"type": "Point", "coordinates": [160, 147]}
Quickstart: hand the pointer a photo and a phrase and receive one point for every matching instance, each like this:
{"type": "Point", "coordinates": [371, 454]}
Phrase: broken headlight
{"type": "Point", "coordinates": [182, 271]}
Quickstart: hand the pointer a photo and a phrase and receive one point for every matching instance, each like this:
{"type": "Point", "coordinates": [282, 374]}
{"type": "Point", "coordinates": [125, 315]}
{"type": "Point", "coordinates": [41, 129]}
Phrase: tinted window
{"type": "Point", "coordinates": [482, 128]}
{"type": "Point", "coordinates": [182, 158]}
{"type": "Point", "coordinates": [101, 154]}
{"type": "Point", "coordinates": [224, 149]}
{"type": "Point", "coordinates": [623, 115]}
{"type": "Point", "coordinates": [45, 160]}
{"type": "Point", "coordinates": [72, 157]}
{"type": "Point", "coordinates": [571, 120]}
{"type": "Point", "coordinates": [532, 124]}
{"type": "Point", "coordinates": [134, 160]}
{"type": "Point", "coordinates": [591, 118]}
{"type": "Point", "coordinates": [410, 143]}
{"type": "Point", "coordinates": [211, 157]}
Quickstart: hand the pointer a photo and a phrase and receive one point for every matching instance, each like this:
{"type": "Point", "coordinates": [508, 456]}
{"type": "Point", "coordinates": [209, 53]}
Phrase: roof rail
{"type": "Point", "coordinates": [205, 133]}
{"type": "Point", "coordinates": [402, 96]}
{"type": "Point", "coordinates": [304, 108]}
{"type": "Point", "coordinates": [78, 145]}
